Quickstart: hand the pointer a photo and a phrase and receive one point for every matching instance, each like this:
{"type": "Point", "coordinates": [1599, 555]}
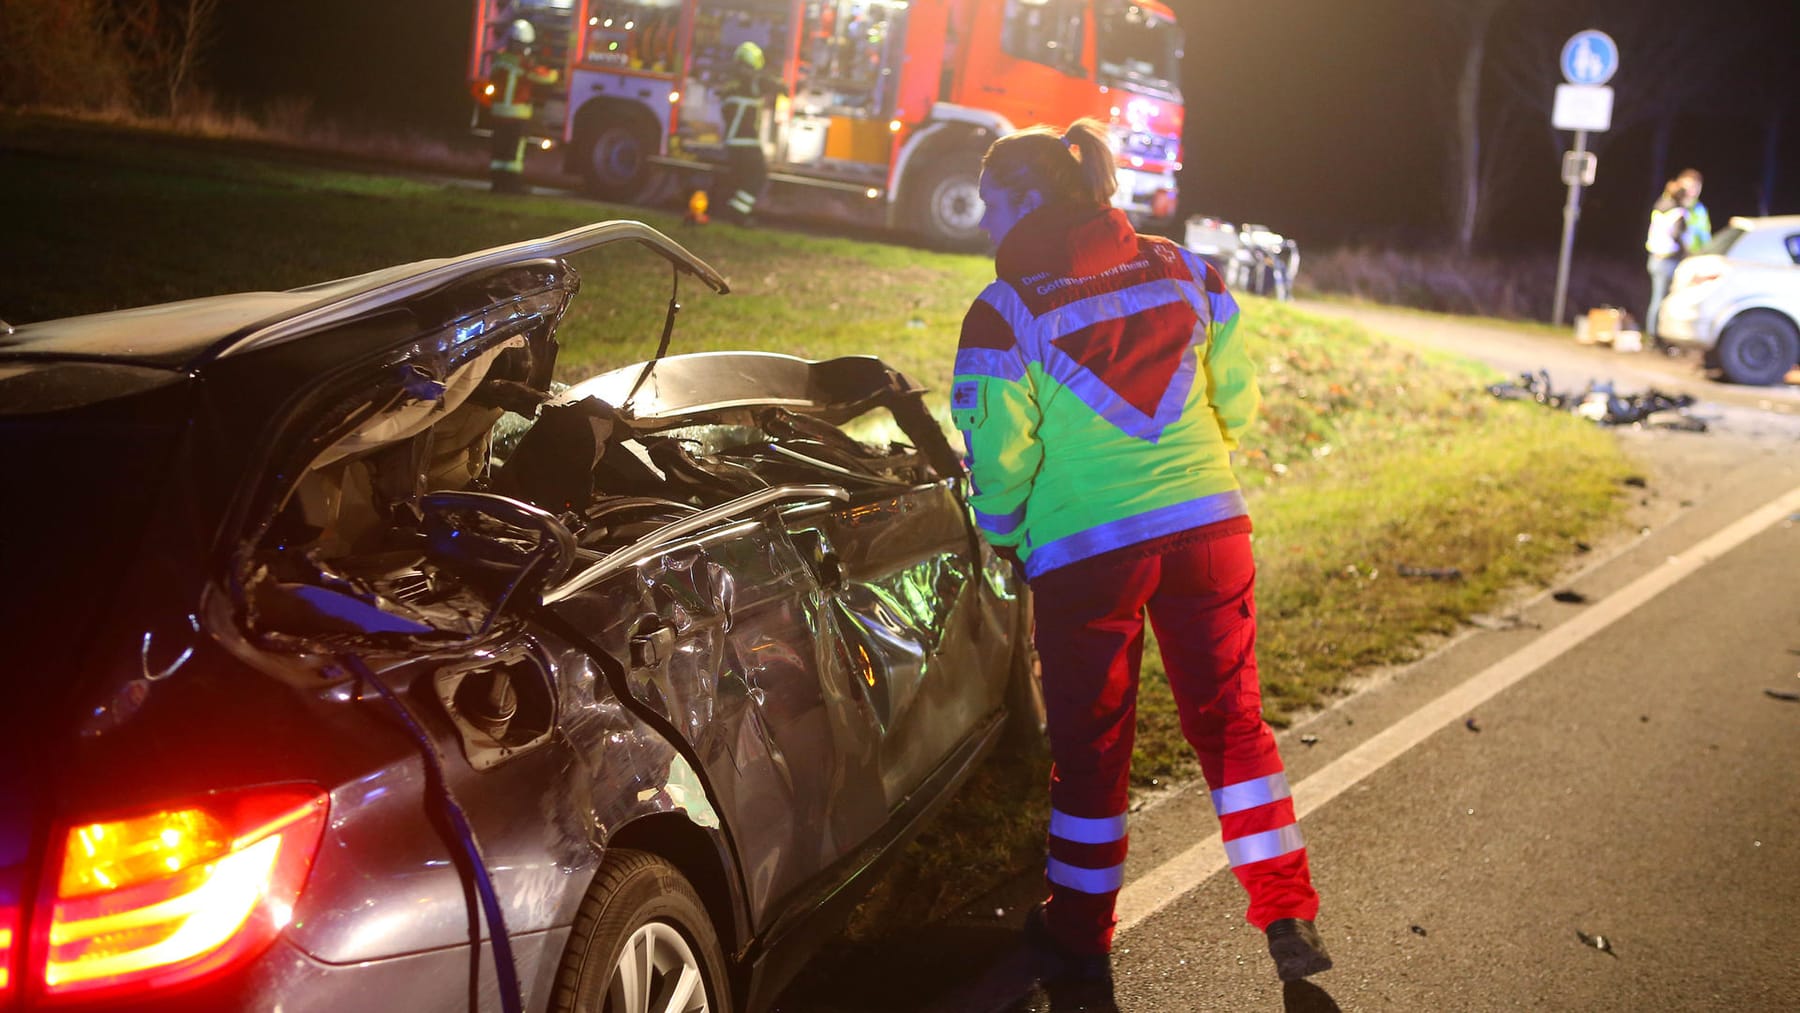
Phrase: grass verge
{"type": "Point", "coordinates": [1370, 455]}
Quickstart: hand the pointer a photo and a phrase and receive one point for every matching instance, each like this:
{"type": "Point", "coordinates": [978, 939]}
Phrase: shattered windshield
{"type": "Point", "coordinates": [1139, 46]}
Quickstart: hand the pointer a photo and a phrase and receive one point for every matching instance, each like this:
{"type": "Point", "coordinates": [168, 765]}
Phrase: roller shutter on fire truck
{"type": "Point", "coordinates": [891, 103]}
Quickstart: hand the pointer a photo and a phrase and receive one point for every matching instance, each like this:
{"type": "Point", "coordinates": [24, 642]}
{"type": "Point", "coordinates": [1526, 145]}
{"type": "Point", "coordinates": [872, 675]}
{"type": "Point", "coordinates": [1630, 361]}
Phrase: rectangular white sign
{"type": "Point", "coordinates": [1582, 107]}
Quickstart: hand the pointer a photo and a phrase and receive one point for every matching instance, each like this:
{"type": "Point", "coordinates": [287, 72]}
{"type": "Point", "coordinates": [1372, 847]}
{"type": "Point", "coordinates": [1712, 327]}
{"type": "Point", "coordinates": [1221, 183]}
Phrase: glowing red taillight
{"type": "Point", "coordinates": [9, 934]}
{"type": "Point", "coordinates": [165, 897]}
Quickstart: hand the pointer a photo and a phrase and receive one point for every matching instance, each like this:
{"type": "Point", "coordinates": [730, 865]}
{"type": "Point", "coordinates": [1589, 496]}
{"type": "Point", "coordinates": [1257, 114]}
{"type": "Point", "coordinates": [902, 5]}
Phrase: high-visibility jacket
{"type": "Point", "coordinates": [1696, 232]}
{"type": "Point", "coordinates": [741, 101]}
{"type": "Point", "coordinates": [1668, 220]}
{"type": "Point", "coordinates": [512, 79]}
{"type": "Point", "coordinates": [1100, 386]}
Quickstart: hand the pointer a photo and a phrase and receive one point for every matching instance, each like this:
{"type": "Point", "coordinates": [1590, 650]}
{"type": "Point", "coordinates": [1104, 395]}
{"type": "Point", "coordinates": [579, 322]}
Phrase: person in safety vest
{"type": "Point", "coordinates": [509, 94]}
{"type": "Point", "coordinates": [1663, 245]}
{"type": "Point", "coordinates": [1696, 230]}
{"type": "Point", "coordinates": [743, 95]}
{"type": "Point", "coordinates": [1100, 386]}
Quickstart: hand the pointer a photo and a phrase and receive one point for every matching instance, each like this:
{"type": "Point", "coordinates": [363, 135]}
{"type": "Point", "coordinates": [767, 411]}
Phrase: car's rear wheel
{"type": "Point", "coordinates": [1758, 348]}
{"type": "Point", "coordinates": [642, 943]}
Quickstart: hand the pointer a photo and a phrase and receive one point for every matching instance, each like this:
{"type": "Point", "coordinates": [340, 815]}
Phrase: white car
{"type": "Point", "coordinates": [1739, 300]}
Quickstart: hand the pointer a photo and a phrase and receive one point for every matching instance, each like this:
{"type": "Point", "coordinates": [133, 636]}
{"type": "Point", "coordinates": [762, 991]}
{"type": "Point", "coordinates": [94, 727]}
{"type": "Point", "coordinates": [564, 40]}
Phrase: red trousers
{"type": "Point", "coordinates": [1198, 589]}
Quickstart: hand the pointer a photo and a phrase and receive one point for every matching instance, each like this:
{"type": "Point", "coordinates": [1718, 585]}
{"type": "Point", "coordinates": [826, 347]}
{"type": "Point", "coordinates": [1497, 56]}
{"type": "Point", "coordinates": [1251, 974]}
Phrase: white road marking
{"type": "Point", "coordinates": [1147, 894]}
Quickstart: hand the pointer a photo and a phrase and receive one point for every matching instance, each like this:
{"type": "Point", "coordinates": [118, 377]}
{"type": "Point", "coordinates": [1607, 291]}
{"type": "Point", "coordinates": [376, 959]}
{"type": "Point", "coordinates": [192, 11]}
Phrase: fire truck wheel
{"type": "Point", "coordinates": [617, 162]}
{"type": "Point", "coordinates": [948, 206]}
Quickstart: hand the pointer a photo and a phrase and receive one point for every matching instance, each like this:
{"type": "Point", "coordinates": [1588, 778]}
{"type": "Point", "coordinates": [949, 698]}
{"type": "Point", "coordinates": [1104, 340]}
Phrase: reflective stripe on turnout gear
{"type": "Point", "coordinates": [1107, 880]}
{"type": "Point", "coordinates": [1249, 794]}
{"type": "Point", "coordinates": [1082, 830]}
{"type": "Point", "coordinates": [736, 108]}
{"type": "Point", "coordinates": [1264, 846]}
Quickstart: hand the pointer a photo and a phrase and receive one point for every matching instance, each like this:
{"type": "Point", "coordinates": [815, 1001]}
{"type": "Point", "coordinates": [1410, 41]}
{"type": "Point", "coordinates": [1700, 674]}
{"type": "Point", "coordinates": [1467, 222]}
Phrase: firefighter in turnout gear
{"type": "Point", "coordinates": [1101, 385]}
{"type": "Point", "coordinates": [743, 97]}
{"type": "Point", "coordinates": [509, 95]}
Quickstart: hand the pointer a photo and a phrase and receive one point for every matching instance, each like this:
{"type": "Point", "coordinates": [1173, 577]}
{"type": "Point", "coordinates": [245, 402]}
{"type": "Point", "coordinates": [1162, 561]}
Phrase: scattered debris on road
{"type": "Point", "coordinates": [1598, 942]}
{"type": "Point", "coordinates": [1601, 403]}
{"type": "Point", "coordinates": [1434, 572]}
{"type": "Point", "coordinates": [1571, 597]}
{"type": "Point", "coordinates": [1782, 694]}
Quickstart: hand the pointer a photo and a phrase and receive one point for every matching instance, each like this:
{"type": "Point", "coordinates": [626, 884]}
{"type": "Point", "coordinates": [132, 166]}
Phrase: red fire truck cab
{"type": "Point", "coordinates": [892, 102]}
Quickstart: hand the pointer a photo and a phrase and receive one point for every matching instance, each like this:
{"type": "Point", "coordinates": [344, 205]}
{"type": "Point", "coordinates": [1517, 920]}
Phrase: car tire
{"type": "Point", "coordinates": [615, 160]}
{"type": "Point", "coordinates": [1758, 348]}
{"type": "Point", "coordinates": [947, 205]}
{"type": "Point", "coordinates": [642, 938]}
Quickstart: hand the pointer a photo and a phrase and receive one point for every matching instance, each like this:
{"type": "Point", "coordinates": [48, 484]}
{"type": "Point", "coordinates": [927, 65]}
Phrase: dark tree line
{"type": "Point", "coordinates": [1501, 70]}
{"type": "Point", "coordinates": [142, 56]}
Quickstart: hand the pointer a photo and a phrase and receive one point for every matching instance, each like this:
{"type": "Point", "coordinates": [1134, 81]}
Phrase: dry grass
{"type": "Point", "coordinates": [290, 124]}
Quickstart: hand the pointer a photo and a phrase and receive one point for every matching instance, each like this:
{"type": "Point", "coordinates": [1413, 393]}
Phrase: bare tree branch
{"type": "Point", "coordinates": [1469, 23]}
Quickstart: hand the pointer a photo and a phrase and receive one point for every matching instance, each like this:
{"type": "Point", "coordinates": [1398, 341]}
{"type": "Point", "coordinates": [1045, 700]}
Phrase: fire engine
{"type": "Point", "coordinates": [891, 102]}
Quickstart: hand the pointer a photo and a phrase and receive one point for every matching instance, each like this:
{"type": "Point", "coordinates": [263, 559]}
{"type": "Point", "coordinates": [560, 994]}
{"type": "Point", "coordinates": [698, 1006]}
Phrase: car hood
{"type": "Point", "coordinates": [128, 432]}
{"type": "Point", "coordinates": [186, 335]}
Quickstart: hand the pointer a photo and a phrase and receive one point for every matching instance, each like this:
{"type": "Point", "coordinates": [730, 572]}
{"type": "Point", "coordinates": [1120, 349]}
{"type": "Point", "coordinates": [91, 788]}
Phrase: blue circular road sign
{"type": "Point", "coordinates": [1590, 57]}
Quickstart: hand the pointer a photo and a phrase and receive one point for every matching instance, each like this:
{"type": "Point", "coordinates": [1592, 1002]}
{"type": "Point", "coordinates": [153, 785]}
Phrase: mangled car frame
{"type": "Point", "coordinates": [357, 659]}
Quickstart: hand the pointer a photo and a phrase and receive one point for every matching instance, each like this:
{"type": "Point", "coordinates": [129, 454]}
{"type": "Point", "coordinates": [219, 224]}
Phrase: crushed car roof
{"type": "Point", "coordinates": [186, 334]}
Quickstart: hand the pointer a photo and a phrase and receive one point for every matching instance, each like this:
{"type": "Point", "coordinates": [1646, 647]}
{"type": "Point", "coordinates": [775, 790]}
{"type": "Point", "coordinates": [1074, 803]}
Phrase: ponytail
{"type": "Point", "coordinates": [1074, 167]}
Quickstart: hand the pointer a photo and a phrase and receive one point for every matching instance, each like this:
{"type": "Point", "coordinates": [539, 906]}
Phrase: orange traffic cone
{"type": "Point", "coordinates": [696, 209]}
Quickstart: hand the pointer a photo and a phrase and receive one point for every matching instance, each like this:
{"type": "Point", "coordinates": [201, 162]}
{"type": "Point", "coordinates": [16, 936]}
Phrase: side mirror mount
{"type": "Point", "coordinates": [496, 542]}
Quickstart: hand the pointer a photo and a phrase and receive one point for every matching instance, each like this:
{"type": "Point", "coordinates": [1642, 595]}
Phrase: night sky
{"type": "Point", "coordinates": [1324, 119]}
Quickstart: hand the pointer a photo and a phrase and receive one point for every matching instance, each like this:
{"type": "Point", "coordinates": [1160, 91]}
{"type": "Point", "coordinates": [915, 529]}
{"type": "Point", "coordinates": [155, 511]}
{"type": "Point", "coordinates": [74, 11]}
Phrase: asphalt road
{"type": "Point", "coordinates": [1623, 779]}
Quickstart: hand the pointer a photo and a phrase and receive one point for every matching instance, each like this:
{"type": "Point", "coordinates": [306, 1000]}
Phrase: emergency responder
{"type": "Point", "coordinates": [1100, 386]}
{"type": "Point", "coordinates": [744, 93]}
{"type": "Point", "coordinates": [1696, 230]}
{"type": "Point", "coordinates": [509, 91]}
{"type": "Point", "coordinates": [1663, 246]}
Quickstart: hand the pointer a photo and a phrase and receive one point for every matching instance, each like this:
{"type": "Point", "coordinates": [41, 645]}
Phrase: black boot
{"type": "Point", "coordinates": [1061, 968]}
{"type": "Point", "coordinates": [1297, 949]}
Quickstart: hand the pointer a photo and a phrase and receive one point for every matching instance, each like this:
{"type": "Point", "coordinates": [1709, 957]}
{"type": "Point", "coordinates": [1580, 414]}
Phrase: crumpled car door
{"type": "Point", "coordinates": [906, 627]}
{"type": "Point", "coordinates": [718, 638]}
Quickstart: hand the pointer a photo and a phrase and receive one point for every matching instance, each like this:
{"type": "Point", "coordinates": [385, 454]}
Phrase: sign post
{"type": "Point", "coordinates": [1589, 60]}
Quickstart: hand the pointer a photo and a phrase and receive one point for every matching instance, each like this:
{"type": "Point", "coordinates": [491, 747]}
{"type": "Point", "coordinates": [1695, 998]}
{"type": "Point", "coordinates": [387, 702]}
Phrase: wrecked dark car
{"type": "Point", "coordinates": [353, 664]}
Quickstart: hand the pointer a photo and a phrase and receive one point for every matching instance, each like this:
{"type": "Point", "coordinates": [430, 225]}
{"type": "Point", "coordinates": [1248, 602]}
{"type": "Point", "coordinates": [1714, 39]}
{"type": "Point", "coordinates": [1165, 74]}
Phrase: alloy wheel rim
{"type": "Point", "coordinates": [959, 205]}
{"type": "Point", "coordinates": [657, 972]}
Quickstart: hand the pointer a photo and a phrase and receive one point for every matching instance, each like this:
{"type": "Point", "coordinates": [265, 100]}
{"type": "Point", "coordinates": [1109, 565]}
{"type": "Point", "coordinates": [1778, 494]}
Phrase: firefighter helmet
{"type": "Point", "coordinates": [750, 55]}
{"type": "Point", "coordinates": [521, 35]}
